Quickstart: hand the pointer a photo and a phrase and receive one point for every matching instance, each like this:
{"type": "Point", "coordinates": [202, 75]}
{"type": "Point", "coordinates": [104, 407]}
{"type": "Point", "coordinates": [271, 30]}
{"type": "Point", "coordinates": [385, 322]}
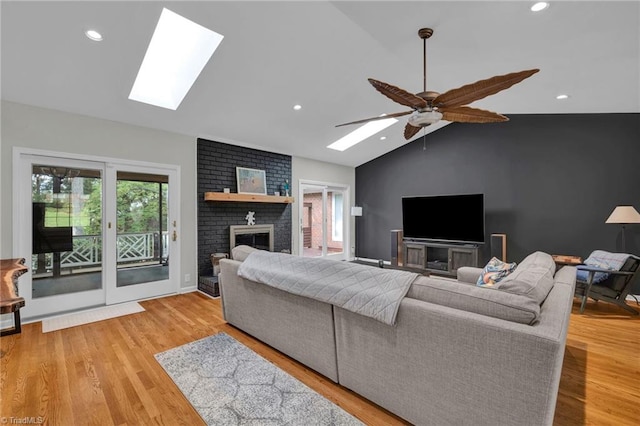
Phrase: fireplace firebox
{"type": "Point", "coordinates": [258, 236]}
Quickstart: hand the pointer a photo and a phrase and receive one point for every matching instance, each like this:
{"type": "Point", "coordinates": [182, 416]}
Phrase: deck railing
{"type": "Point", "coordinates": [131, 248]}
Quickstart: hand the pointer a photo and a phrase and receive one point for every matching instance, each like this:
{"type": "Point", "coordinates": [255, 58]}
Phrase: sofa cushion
{"type": "Point", "coordinates": [241, 252]}
{"type": "Point", "coordinates": [533, 278]}
{"type": "Point", "coordinates": [538, 258]}
{"type": "Point", "coordinates": [468, 274]}
{"type": "Point", "coordinates": [494, 272]}
{"type": "Point", "coordinates": [481, 300]}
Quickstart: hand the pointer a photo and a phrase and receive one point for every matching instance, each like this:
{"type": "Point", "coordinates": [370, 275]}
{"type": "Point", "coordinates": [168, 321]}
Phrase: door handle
{"type": "Point", "coordinates": [175, 236]}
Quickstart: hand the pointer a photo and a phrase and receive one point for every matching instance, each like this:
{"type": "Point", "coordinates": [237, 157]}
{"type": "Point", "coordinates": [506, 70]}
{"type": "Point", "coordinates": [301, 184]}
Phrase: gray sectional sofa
{"type": "Point", "coordinates": [458, 354]}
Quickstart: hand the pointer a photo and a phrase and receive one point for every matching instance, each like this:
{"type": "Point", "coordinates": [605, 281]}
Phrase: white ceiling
{"type": "Point", "coordinates": [319, 54]}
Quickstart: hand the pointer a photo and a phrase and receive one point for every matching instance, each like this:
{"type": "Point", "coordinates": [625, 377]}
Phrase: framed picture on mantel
{"type": "Point", "coordinates": [251, 181]}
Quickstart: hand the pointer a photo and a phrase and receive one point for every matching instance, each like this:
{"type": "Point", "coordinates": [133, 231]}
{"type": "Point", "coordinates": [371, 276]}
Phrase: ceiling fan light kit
{"type": "Point", "coordinates": [419, 119]}
{"type": "Point", "coordinates": [429, 107]}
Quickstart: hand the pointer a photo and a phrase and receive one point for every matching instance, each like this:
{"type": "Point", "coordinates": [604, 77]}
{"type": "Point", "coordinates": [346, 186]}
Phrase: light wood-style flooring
{"type": "Point", "coordinates": [105, 373]}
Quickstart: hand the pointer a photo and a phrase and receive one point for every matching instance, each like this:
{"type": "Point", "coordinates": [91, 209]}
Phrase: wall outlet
{"type": "Point", "coordinates": [187, 278]}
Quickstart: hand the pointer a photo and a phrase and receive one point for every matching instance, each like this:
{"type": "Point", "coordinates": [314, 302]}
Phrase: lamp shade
{"type": "Point", "coordinates": [624, 214]}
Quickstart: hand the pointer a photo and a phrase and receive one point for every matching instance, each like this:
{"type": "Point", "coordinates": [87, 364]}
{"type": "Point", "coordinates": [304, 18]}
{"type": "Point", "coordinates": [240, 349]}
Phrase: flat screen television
{"type": "Point", "coordinates": [447, 218]}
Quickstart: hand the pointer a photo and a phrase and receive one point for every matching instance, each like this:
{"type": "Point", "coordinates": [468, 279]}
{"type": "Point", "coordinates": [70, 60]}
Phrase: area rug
{"type": "Point", "coordinates": [91, 315]}
{"type": "Point", "coordinates": [229, 384]}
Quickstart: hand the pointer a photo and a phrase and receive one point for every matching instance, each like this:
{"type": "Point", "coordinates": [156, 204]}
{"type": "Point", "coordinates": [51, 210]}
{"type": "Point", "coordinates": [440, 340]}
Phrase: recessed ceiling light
{"type": "Point", "coordinates": [541, 5]}
{"type": "Point", "coordinates": [297, 107]}
{"type": "Point", "coordinates": [93, 35]}
{"type": "Point", "coordinates": [178, 51]}
{"type": "Point", "coordinates": [383, 138]}
{"type": "Point", "coordinates": [361, 133]}
{"type": "Point", "coordinates": [560, 97]}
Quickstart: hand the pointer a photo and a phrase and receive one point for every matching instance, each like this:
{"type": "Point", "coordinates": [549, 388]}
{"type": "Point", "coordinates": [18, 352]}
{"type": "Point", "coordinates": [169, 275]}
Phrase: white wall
{"type": "Point", "coordinates": [38, 128]}
{"type": "Point", "coordinates": [305, 169]}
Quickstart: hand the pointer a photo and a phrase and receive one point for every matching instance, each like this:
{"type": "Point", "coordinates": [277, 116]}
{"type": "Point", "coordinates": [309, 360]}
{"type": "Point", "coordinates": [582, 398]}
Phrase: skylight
{"type": "Point", "coordinates": [177, 53]}
{"type": "Point", "coordinates": [361, 133]}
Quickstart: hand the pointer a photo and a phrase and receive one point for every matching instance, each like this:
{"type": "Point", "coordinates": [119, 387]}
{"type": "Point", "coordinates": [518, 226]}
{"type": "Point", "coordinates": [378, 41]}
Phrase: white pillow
{"type": "Point", "coordinates": [241, 252]}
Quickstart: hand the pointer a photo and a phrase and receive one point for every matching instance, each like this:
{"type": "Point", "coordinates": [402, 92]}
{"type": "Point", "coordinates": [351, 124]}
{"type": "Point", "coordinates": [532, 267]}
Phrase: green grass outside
{"type": "Point", "coordinates": [60, 217]}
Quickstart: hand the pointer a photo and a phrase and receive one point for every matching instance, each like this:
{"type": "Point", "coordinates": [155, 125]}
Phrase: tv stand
{"type": "Point", "coordinates": [439, 257]}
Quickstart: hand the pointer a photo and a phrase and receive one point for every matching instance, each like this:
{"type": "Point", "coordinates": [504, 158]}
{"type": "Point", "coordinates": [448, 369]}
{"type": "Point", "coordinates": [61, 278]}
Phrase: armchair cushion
{"type": "Point", "coordinates": [604, 260]}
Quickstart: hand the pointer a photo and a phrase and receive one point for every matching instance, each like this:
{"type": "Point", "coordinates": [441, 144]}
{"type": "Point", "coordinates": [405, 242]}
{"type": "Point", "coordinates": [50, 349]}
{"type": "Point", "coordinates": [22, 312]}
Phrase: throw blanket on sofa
{"type": "Point", "coordinates": [366, 290]}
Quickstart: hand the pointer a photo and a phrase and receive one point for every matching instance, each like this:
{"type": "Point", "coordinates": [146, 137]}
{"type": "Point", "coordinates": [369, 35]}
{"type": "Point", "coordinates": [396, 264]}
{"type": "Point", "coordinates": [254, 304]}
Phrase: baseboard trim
{"type": "Point", "coordinates": [208, 295]}
{"type": "Point", "coordinates": [189, 289]}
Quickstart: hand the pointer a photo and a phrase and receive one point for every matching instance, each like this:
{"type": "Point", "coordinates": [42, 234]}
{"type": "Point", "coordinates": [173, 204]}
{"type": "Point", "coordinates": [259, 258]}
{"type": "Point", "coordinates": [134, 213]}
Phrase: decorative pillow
{"type": "Point", "coordinates": [494, 272]}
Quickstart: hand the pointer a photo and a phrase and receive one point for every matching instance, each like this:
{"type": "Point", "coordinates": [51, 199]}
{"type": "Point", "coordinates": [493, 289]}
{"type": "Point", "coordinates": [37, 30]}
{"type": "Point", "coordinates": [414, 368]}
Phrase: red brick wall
{"type": "Point", "coordinates": [316, 225]}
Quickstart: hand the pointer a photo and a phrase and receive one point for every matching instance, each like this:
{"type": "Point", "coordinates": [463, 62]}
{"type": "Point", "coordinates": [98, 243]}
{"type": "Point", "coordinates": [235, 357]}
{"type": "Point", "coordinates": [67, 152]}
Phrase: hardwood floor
{"type": "Point", "coordinates": [104, 373]}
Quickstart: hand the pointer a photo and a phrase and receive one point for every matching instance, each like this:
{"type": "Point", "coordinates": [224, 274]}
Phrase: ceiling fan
{"type": "Point", "coordinates": [428, 107]}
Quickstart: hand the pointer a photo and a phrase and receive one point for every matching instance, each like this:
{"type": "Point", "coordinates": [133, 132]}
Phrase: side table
{"type": "Point", "coordinates": [10, 302]}
{"type": "Point", "coordinates": [563, 259]}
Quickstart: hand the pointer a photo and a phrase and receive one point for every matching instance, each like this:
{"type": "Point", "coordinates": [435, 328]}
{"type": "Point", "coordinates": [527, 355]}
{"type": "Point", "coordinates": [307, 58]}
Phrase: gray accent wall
{"type": "Point", "coordinates": [550, 182]}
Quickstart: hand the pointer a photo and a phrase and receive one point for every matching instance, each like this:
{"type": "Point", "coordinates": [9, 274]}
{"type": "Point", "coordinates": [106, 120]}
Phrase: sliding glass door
{"type": "Point", "coordinates": [323, 221]}
{"type": "Point", "coordinates": [95, 233]}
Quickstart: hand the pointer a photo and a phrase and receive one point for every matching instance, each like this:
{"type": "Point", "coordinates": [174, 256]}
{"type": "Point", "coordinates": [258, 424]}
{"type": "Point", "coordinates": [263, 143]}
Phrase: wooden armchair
{"type": "Point", "coordinates": [614, 288]}
{"type": "Point", "coordinates": [10, 270]}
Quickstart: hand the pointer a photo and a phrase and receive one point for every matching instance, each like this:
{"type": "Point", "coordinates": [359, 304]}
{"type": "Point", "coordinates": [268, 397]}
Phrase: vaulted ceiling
{"type": "Point", "coordinates": [319, 54]}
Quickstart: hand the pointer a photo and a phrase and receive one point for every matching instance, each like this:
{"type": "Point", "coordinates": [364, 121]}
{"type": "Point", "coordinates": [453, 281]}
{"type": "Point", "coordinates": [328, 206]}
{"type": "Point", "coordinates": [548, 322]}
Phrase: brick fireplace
{"type": "Point", "coordinates": [217, 164]}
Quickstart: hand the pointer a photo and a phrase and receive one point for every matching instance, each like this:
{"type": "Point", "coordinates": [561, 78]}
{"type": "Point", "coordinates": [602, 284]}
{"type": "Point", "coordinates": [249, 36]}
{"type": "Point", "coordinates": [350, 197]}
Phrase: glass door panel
{"type": "Point", "coordinates": [143, 250]}
{"type": "Point", "coordinates": [141, 228]}
{"type": "Point", "coordinates": [313, 244]}
{"type": "Point", "coordinates": [66, 230]}
{"type": "Point", "coordinates": [335, 225]}
{"type": "Point", "coordinates": [58, 223]}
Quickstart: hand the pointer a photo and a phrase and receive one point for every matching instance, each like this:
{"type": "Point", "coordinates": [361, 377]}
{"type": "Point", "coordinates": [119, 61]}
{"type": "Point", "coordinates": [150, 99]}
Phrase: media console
{"type": "Point", "coordinates": [437, 257]}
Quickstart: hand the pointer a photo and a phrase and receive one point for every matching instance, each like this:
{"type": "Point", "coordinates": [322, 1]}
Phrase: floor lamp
{"type": "Point", "coordinates": [624, 215]}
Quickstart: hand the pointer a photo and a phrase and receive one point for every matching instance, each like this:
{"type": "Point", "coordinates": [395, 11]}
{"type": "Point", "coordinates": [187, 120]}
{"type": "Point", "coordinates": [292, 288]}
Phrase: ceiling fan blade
{"type": "Point", "coordinates": [382, 117]}
{"type": "Point", "coordinates": [480, 89]}
{"type": "Point", "coordinates": [467, 114]}
{"type": "Point", "coordinates": [398, 95]}
{"type": "Point", "coordinates": [410, 131]}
